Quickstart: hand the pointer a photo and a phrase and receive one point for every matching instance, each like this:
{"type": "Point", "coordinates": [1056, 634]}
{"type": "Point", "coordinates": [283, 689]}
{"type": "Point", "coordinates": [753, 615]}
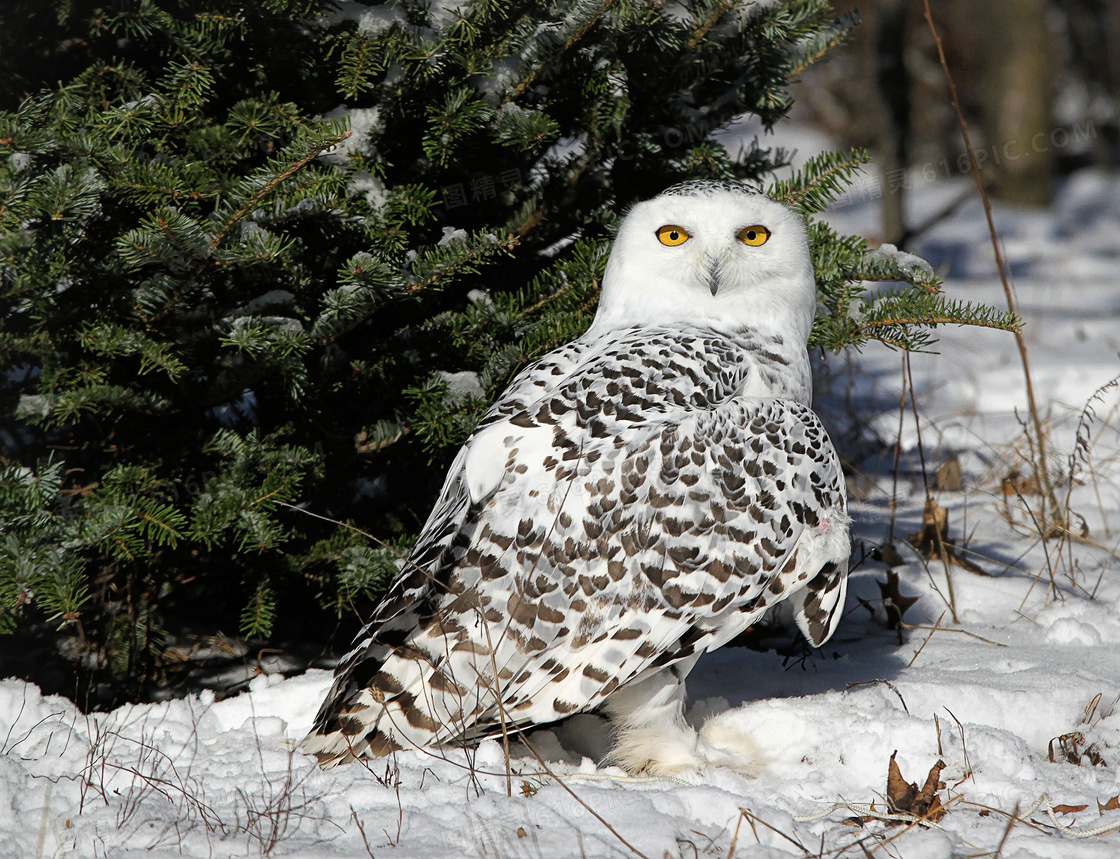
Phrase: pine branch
{"type": "Point", "coordinates": [822, 179]}
{"type": "Point", "coordinates": [701, 28]}
{"type": "Point", "coordinates": [259, 614]}
{"type": "Point", "coordinates": [270, 186]}
{"type": "Point", "coordinates": [817, 46]}
{"type": "Point", "coordinates": [435, 266]}
{"type": "Point", "coordinates": [578, 29]}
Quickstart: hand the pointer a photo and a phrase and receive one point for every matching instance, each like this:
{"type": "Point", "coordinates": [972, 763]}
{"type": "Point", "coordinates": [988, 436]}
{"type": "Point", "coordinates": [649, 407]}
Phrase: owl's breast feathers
{"type": "Point", "coordinates": [628, 503]}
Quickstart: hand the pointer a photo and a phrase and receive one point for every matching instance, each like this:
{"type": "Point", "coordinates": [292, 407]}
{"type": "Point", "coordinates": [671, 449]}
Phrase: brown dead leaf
{"type": "Point", "coordinates": [935, 521]}
{"type": "Point", "coordinates": [895, 603]}
{"type": "Point", "coordinates": [1018, 484]}
{"type": "Point", "coordinates": [521, 832]}
{"type": "Point", "coordinates": [900, 793]}
{"type": "Point", "coordinates": [1069, 809]}
{"type": "Point", "coordinates": [948, 476]}
{"type": "Point", "coordinates": [1070, 750]}
{"type": "Point", "coordinates": [1112, 805]}
{"type": "Point", "coordinates": [936, 809]}
{"type": "Point", "coordinates": [1067, 746]}
{"type": "Point", "coordinates": [903, 796]}
{"type": "Point", "coordinates": [934, 538]}
{"type": "Point", "coordinates": [927, 801]}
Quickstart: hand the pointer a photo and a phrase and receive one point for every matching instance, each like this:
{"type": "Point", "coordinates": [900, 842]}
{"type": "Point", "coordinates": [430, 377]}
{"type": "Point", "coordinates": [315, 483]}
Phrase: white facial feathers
{"type": "Point", "coordinates": [718, 276]}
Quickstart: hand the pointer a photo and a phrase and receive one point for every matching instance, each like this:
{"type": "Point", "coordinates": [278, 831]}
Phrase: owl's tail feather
{"type": "Point", "coordinates": [357, 717]}
{"type": "Point", "coordinates": [416, 695]}
{"type": "Point", "coordinates": [337, 747]}
{"type": "Point", "coordinates": [819, 606]}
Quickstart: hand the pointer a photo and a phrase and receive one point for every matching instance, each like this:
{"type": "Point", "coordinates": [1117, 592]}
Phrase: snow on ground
{"type": "Point", "coordinates": [1034, 644]}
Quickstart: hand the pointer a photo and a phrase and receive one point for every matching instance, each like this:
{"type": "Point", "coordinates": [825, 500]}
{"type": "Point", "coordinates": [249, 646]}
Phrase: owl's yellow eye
{"type": "Point", "coordinates": [671, 235]}
{"type": "Point", "coordinates": [754, 235]}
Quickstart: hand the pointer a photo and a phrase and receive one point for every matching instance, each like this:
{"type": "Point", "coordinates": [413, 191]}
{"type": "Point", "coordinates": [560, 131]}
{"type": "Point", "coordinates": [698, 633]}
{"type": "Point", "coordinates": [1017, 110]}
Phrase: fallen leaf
{"type": "Point", "coordinates": [948, 476]}
{"type": "Point", "coordinates": [1067, 745]}
{"type": "Point", "coordinates": [926, 801]}
{"type": "Point", "coordinates": [903, 796]}
{"type": "Point", "coordinates": [900, 793]}
{"type": "Point", "coordinates": [1069, 809]}
{"type": "Point", "coordinates": [1112, 805]}
{"type": "Point", "coordinates": [895, 603]}
{"type": "Point", "coordinates": [936, 809]}
{"type": "Point", "coordinates": [935, 523]}
{"type": "Point", "coordinates": [934, 538]}
{"type": "Point", "coordinates": [520, 831]}
{"type": "Point", "coordinates": [1016, 484]}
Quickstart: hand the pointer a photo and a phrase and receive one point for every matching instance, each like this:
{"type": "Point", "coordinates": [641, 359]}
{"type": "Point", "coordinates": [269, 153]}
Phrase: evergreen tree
{"type": "Point", "coordinates": [223, 311]}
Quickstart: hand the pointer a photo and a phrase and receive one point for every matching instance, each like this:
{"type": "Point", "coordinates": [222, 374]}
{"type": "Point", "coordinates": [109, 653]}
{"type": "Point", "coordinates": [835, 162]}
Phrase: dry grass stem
{"type": "Point", "coordinates": [918, 652]}
{"type": "Point", "coordinates": [1039, 463]}
{"type": "Point", "coordinates": [886, 683]}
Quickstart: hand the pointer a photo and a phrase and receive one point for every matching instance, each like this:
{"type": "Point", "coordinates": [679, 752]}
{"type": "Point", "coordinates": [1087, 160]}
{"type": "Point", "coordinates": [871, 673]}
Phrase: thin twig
{"type": "Point", "coordinates": [886, 683]}
{"type": "Point", "coordinates": [925, 482]}
{"type": "Point", "coordinates": [735, 837]}
{"type": "Point", "coordinates": [933, 220]}
{"type": "Point", "coordinates": [775, 830]}
{"type": "Point", "coordinates": [960, 631]}
{"type": "Point", "coordinates": [1042, 475]}
{"type": "Point", "coordinates": [362, 831]}
{"type": "Point", "coordinates": [501, 705]}
{"type": "Point", "coordinates": [964, 748]}
{"type": "Point", "coordinates": [897, 453]}
{"type": "Point", "coordinates": [269, 186]}
{"type": "Point", "coordinates": [908, 383]}
{"type": "Point", "coordinates": [1045, 551]}
{"type": "Point", "coordinates": [918, 652]}
{"type": "Point", "coordinates": [1011, 821]}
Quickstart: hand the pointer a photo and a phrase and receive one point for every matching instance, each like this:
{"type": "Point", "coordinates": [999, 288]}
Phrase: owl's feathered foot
{"type": "Point", "coordinates": [680, 752]}
{"type": "Point", "coordinates": [653, 738]}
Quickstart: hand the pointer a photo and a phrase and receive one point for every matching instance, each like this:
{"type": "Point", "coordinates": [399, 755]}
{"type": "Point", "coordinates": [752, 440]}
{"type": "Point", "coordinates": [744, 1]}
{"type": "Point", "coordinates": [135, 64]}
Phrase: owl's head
{"type": "Point", "coordinates": [717, 254]}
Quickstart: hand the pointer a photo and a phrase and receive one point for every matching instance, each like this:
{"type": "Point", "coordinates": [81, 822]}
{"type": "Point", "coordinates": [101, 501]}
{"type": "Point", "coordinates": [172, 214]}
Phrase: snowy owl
{"type": "Point", "coordinates": [634, 499]}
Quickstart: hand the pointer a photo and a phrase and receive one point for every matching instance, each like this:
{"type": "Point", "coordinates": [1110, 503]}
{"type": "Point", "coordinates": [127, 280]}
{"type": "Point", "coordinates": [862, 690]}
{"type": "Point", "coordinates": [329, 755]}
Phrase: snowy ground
{"type": "Point", "coordinates": [1034, 644]}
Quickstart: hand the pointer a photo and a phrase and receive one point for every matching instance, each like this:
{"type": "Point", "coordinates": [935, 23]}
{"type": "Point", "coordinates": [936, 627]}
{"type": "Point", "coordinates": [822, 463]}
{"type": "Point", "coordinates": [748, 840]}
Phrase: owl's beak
{"type": "Point", "coordinates": [715, 272]}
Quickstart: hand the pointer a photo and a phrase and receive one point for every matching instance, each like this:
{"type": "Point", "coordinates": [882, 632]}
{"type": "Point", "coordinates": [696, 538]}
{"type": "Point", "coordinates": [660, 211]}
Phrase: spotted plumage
{"type": "Point", "coordinates": [634, 499]}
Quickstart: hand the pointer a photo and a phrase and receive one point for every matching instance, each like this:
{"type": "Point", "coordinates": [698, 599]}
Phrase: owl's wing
{"type": "Point", "coordinates": [678, 535]}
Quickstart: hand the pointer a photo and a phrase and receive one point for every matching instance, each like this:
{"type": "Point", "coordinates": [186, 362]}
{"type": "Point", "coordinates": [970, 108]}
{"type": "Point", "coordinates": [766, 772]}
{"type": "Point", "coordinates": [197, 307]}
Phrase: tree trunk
{"type": "Point", "coordinates": [894, 95]}
{"type": "Point", "coordinates": [1017, 94]}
